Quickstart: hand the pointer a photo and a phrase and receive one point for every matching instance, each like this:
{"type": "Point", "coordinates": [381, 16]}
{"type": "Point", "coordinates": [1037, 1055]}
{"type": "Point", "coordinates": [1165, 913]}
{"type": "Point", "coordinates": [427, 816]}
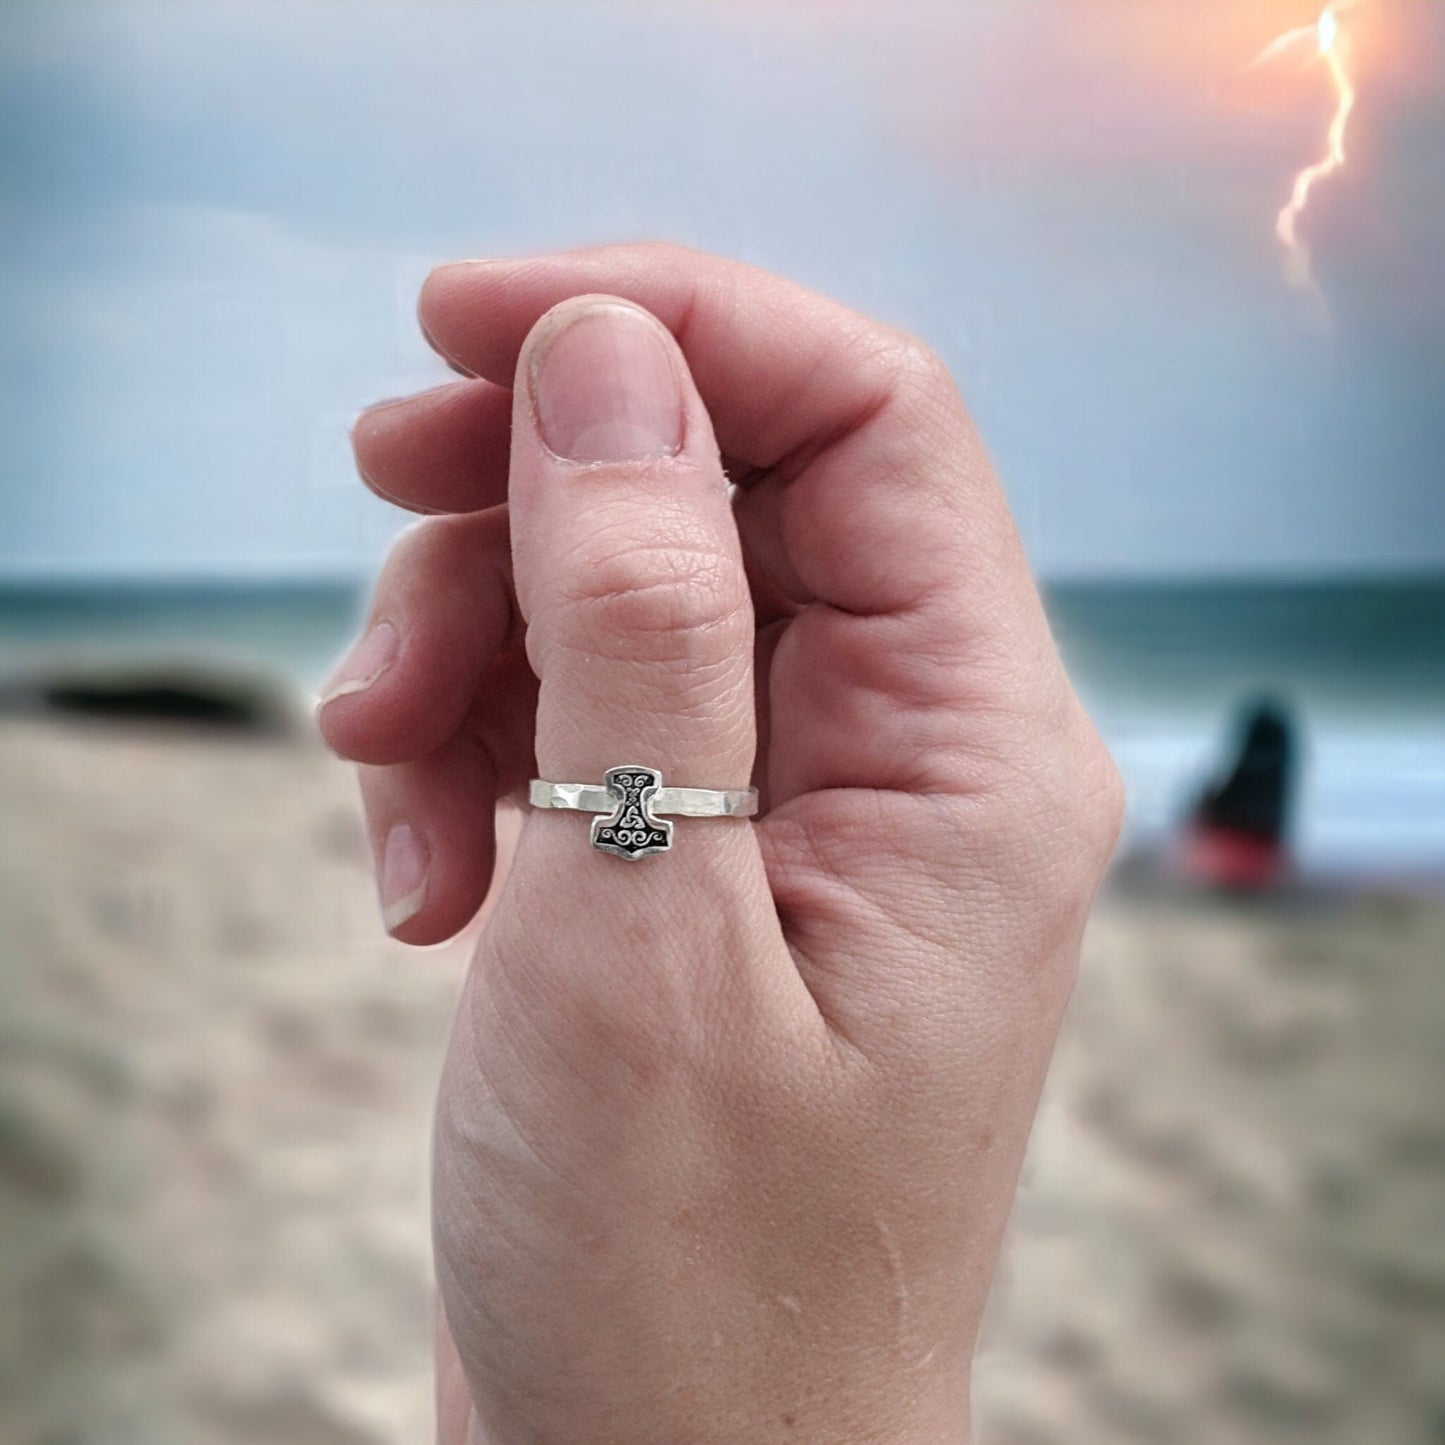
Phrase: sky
{"type": "Point", "coordinates": [216, 218]}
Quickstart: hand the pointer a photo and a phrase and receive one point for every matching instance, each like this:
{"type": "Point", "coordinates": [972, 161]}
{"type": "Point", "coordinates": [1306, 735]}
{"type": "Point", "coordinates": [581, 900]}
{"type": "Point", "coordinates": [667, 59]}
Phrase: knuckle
{"type": "Point", "coordinates": [910, 379]}
{"type": "Point", "coordinates": [411, 550]}
{"type": "Point", "coordinates": [920, 363]}
{"type": "Point", "coordinates": [657, 602]}
{"type": "Point", "coordinates": [1112, 801]}
{"type": "Point", "coordinates": [434, 548]}
{"type": "Point", "coordinates": [1062, 812]}
{"type": "Point", "coordinates": [1096, 809]}
{"type": "Point", "coordinates": [912, 365]}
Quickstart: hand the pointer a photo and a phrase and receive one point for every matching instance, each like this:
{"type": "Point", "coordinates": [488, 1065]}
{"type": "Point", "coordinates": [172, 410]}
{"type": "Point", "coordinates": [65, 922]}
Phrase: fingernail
{"type": "Point", "coordinates": [404, 864]}
{"type": "Point", "coordinates": [367, 660]}
{"type": "Point", "coordinates": [606, 389]}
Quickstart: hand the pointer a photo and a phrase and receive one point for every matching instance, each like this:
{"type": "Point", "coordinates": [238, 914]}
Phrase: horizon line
{"type": "Point", "coordinates": [236, 579]}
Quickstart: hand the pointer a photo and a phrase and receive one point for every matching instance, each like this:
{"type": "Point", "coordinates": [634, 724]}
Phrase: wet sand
{"type": "Point", "coordinates": [215, 1094]}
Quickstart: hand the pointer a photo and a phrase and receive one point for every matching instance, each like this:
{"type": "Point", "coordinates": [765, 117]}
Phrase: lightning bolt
{"type": "Point", "coordinates": [1326, 33]}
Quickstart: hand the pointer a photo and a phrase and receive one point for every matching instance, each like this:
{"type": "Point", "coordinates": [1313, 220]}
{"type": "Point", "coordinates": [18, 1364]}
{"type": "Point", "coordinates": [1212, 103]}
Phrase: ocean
{"type": "Point", "coordinates": [1162, 667]}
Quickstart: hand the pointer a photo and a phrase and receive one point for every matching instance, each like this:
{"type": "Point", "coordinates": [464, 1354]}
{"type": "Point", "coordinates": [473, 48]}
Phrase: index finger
{"type": "Point", "coordinates": [777, 363]}
{"type": "Point", "coordinates": [898, 501]}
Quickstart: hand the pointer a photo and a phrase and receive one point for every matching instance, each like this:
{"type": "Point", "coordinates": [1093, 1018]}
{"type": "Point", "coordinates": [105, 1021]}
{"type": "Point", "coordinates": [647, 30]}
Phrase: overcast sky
{"type": "Point", "coordinates": [216, 216]}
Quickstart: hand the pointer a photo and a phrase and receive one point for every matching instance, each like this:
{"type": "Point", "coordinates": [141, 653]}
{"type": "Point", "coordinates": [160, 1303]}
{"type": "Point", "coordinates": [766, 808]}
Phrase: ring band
{"type": "Point", "coordinates": [635, 800]}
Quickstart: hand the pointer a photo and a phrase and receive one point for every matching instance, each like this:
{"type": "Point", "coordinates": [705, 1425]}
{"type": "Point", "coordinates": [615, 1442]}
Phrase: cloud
{"type": "Point", "coordinates": [216, 217]}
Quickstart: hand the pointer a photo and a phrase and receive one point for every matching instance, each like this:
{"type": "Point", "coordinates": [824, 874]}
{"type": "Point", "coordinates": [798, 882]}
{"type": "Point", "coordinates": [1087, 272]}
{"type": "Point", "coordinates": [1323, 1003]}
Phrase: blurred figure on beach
{"type": "Point", "coordinates": [1236, 835]}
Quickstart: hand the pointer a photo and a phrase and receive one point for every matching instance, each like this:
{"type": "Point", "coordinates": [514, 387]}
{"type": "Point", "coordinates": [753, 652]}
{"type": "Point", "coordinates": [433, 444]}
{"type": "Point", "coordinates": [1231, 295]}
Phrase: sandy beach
{"type": "Point", "coordinates": [215, 1090]}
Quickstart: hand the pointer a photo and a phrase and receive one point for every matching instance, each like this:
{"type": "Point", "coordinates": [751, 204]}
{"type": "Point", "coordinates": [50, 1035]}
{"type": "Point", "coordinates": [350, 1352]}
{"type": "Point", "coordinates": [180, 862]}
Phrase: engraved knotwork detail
{"type": "Point", "coordinates": [631, 831]}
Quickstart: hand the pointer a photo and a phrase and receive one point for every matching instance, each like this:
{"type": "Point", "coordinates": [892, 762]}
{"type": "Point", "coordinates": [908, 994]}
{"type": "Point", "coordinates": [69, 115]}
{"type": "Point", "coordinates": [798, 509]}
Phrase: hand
{"type": "Point", "coordinates": [726, 1137]}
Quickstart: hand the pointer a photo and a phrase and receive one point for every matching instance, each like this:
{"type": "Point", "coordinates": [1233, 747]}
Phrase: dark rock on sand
{"type": "Point", "coordinates": [190, 697]}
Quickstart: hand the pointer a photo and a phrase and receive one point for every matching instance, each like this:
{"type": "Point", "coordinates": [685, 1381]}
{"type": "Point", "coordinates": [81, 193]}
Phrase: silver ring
{"type": "Point", "coordinates": [634, 799]}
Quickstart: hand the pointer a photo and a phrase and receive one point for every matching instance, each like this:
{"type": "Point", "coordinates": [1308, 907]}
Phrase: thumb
{"type": "Point", "coordinates": [627, 562]}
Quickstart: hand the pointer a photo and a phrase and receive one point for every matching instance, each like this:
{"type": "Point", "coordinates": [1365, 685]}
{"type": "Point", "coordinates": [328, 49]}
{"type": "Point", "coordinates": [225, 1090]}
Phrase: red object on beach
{"type": "Point", "coordinates": [1228, 858]}
{"type": "Point", "coordinates": [1235, 835]}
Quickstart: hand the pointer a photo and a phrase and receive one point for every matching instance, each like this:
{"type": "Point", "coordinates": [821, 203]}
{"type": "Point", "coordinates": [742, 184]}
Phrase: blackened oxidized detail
{"type": "Point", "coordinates": [631, 831]}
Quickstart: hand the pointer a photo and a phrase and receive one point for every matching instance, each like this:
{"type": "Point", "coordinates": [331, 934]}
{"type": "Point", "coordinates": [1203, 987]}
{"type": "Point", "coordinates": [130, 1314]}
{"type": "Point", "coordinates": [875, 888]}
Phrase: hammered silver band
{"type": "Point", "coordinates": [676, 802]}
{"type": "Point", "coordinates": [636, 802]}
